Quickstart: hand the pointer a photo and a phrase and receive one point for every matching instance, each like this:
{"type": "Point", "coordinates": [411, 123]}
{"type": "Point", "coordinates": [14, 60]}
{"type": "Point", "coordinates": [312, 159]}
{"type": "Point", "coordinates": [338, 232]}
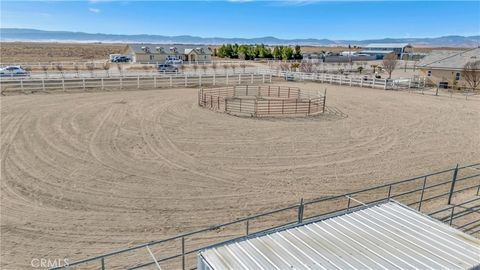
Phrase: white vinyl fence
{"type": "Point", "coordinates": [137, 82]}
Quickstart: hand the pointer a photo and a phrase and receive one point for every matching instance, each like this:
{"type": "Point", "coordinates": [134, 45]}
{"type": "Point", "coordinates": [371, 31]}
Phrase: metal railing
{"type": "Point", "coordinates": [438, 188]}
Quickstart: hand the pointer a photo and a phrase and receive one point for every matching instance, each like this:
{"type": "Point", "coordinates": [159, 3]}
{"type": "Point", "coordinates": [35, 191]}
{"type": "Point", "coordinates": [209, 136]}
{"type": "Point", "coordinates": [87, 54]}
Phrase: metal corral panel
{"type": "Point", "coordinates": [383, 236]}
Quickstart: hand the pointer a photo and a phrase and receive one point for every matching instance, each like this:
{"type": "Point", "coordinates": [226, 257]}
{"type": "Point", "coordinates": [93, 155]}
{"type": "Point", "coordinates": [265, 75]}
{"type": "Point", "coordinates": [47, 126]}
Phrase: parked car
{"type": "Point", "coordinates": [167, 68]}
{"type": "Point", "coordinates": [13, 71]}
{"type": "Point", "coordinates": [174, 61]}
{"type": "Point", "coordinates": [121, 59]}
{"type": "Point", "coordinates": [289, 77]}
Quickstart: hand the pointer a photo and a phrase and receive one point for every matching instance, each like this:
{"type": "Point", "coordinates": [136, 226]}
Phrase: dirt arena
{"type": "Point", "coordinates": [88, 173]}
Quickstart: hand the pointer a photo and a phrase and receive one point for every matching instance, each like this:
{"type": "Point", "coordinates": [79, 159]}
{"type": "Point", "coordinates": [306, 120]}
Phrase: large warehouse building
{"type": "Point", "coordinates": [379, 50]}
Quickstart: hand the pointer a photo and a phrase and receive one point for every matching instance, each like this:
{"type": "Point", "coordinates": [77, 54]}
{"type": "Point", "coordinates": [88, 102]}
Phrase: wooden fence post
{"type": "Point", "coordinates": [385, 86]}
{"type": "Point", "coordinates": [373, 84]}
{"type": "Point", "coordinates": [200, 79]}
{"type": "Point", "coordinates": [171, 81]}
{"type": "Point", "coordinates": [186, 80]}
{"type": "Point", "coordinates": [263, 78]}
{"type": "Point", "coordinates": [251, 80]}
{"type": "Point", "coordinates": [121, 83]}
{"type": "Point", "coordinates": [324, 100]}
{"type": "Point", "coordinates": [240, 78]}
{"type": "Point", "coordinates": [301, 208]}
{"type": "Point", "coordinates": [227, 79]}
{"type": "Point", "coordinates": [270, 78]}
{"type": "Point", "coordinates": [63, 84]}
{"type": "Point", "coordinates": [21, 85]}
{"type": "Point", "coordinates": [138, 81]}
{"type": "Point", "coordinates": [103, 88]}
{"type": "Point", "coordinates": [155, 81]}
{"type": "Point", "coordinates": [214, 81]}
{"type": "Point", "coordinates": [43, 84]}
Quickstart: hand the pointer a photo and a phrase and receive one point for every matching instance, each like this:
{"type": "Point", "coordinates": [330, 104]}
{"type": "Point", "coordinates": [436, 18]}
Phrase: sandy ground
{"type": "Point", "coordinates": [87, 173]}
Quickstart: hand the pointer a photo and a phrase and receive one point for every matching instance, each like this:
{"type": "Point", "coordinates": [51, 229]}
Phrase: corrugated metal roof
{"type": "Point", "coordinates": [375, 52]}
{"type": "Point", "coordinates": [446, 59]}
{"type": "Point", "coordinates": [384, 236]}
{"type": "Point", "coordinates": [387, 45]}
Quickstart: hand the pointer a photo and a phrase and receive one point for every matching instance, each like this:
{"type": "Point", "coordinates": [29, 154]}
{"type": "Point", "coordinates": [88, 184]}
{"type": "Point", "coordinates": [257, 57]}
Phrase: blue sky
{"type": "Point", "coordinates": [283, 19]}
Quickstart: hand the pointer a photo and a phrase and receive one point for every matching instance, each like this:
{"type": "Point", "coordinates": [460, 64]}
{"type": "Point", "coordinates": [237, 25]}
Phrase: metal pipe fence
{"type": "Point", "coordinates": [262, 101]}
{"type": "Point", "coordinates": [427, 193]}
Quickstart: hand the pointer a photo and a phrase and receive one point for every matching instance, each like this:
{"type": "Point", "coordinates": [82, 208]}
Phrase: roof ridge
{"type": "Point", "coordinates": [450, 56]}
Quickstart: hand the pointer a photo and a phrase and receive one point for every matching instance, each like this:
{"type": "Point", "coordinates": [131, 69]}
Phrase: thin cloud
{"type": "Point", "coordinates": [94, 10]}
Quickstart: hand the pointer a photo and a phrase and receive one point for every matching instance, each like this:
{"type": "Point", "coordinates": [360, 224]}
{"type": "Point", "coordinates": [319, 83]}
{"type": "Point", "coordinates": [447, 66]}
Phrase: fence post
{"type": "Point", "coordinates": [389, 192]}
{"type": "Point", "coordinates": [270, 78]}
{"type": "Point", "coordinates": [103, 88]}
{"type": "Point", "coordinates": [361, 82]}
{"type": "Point", "coordinates": [214, 81]}
{"type": "Point", "coordinates": [227, 79]}
{"type": "Point", "coordinates": [247, 228]}
{"type": "Point", "coordinates": [138, 81]}
{"type": "Point", "coordinates": [263, 78]}
{"type": "Point", "coordinates": [21, 84]}
{"type": "Point", "coordinates": [240, 78]}
{"type": "Point", "coordinates": [451, 215]}
{"type": "Point", "coordinates": [373, 84]}
{"type": "Point", "coordinates": [251, 79]}
{"type": "Point", "coordinates": [421, 195]}
{"type": "Point", "coordinates": [350, 81]}
{"type": "Point", "coordinates": [43, 84]}
{"type": "Point", "coordinates": [309, 105]}
{"type": "Point", "coordinates": [186, 80]}
{"type": "Point", "coordinates": [183, 253]}
{"type": "Point", "coordinates": [103, 263]}
{"type": "Point", "coordinates": [83, 83]}
{"type": "Point", "coordinates": [171, 81]}
{"type": "Point", "coordinates": [385, 86]}
{"type": "Point", "coordinates": [63, 84]}
{"type": "Point", "coordinates": [452, 187]}
{"type": "Point", "coordinates": [155, 81]}
{"type": "Point", "coordinates": [121, 82]}
{"type": "Point", "coordinates": [301, 207]}
{"type": "Point", "coordinates": [324, 99]}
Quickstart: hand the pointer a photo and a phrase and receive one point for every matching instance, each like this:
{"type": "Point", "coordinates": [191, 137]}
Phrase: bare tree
{"type": "Point", "coordinates": [225, 67]}
{"type": "Point", "coordinates": [306, 66]}
{"type": "Point", "coordinates": [195, 68]}
{"type": "Point", "coordinates": [76, 68]}
{"type": "Point", "coordinates": [120, 69]}
{"type": "Point", "coordinates": [106, 67]}
{"type": "Point", "coordinates": [59, 67]}
{"type": "Point", "coordinates": [204, 68]}
{"type": "Point", "coordinates": [284, 66]}
{"type": "Point", "coordinates": [471, 74]}
{"type": "Point", "coordinates": [181, 67]}
{"type": "Point", "coordinates": [45, 70]}
{"type": "Point", "coordinates": [90, 67]}
{"type": "Point", "coordinates": [214, 67]}
{"type": "Point", "coordinates": [243, 65]}
{"type": "Point", "coordinates": [389, 63]}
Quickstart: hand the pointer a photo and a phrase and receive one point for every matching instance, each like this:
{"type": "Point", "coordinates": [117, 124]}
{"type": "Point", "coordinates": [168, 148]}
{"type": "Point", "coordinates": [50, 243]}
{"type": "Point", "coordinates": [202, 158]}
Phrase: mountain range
{"type": "Point", "coordinates": [35, 35]}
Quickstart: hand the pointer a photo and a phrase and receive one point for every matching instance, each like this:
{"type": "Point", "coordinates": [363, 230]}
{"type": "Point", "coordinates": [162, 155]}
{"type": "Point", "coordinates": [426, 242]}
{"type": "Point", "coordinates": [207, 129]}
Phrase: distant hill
{"type": "Point", "coordinates": [19, 34]}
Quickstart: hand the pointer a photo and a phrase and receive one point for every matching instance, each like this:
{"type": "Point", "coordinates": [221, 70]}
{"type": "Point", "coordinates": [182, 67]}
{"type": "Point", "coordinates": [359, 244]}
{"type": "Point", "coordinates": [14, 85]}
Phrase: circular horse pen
{"type": "Point", "coordinates": [262, 101]}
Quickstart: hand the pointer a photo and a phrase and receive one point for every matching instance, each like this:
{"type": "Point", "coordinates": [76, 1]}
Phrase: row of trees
{"type": "Point", "coordinates": [250, 52]}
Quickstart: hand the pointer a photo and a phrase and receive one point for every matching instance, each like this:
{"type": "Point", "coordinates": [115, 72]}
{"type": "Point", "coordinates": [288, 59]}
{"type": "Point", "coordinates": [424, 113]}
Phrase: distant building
{"type": "Point", "coordinates": [444, 67]}
{"type": "Point", "coordinates": [379, 50]}
{"type": "Point", "coordinates": [159, 53]}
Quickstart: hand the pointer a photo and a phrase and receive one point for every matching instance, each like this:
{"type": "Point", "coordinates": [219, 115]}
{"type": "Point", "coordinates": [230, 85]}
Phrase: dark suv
{"type": "Point", "coordinates": [121, 59]}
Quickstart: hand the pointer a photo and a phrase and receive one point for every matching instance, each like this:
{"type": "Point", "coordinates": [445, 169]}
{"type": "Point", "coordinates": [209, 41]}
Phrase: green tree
{"type": "Point", "coordinates": [298, 52]}
{"type": "Point", "coordinates": [287, 53]}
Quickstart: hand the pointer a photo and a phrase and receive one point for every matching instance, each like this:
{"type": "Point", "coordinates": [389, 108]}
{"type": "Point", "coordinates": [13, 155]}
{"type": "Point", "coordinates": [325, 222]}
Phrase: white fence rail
{"type": "Point", "coordinates": [130, 82]}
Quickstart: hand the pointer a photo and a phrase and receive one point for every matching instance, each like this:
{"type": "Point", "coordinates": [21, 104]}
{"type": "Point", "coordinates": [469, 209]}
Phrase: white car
{"type": "Point", "coordinates": [13, 71]}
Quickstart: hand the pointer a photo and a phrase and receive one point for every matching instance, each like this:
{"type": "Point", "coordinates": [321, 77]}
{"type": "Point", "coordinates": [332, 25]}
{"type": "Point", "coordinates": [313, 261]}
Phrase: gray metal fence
{"type": "Point", "coordinates": [433, 194]}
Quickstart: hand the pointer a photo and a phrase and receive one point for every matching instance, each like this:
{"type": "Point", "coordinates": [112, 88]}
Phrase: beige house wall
{"type": "Point", "coordinates": [442, 75]}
